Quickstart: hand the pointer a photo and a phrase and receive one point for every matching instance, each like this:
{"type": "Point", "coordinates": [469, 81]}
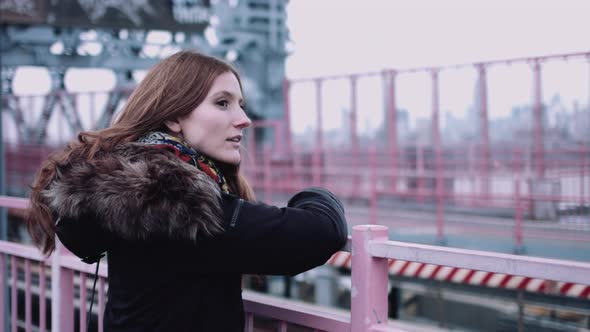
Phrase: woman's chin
{"type": "Point", "coordinates": [230, 159]}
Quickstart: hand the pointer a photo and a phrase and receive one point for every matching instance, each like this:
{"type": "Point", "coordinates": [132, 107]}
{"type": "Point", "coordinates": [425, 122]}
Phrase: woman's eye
{"type": "Point", "coordinates": [223, 103]}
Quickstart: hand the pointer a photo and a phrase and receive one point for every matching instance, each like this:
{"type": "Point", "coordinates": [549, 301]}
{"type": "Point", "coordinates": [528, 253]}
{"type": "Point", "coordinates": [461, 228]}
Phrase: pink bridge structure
{"type": "Point", "coordinates": [525, 193]}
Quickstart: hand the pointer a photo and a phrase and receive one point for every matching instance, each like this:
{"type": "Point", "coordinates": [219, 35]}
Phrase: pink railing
{"type": "Point", "coordinates": [512, 189]}
{"type": "Point", "coordinates": [70, 282]}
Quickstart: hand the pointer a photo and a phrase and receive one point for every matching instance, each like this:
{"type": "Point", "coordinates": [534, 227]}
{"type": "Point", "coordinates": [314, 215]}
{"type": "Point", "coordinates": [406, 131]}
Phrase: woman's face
{"type": "Point", "coordinates": [214, 128]}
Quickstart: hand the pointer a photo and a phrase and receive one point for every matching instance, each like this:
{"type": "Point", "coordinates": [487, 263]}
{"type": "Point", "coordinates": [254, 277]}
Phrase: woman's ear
{"type": "Point", "coordinates": [173, 126]}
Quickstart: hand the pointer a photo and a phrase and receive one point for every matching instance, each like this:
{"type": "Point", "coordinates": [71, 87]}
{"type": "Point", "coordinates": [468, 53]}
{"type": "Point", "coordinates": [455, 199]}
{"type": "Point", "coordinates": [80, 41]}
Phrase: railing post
{"type": "Point", "coordinates": [251, 146]}
{"type": "Point", "coordinates": [582, 180]}
{"type": "Point", "coordinates": [267, 174]}
{"type": "Point", "coordinates": [484, 165]}
{"type": "Point", "coordinates": [286, 130]}
{"type": "Point", "coordinates": [83, 300]}
{"type": "Point", "coordinates": [471, 161]}
{"type": "Point", "coordinates": [392, 127]}
{"type": "Point", "coordinates": [279, 151]}
{"type": "Point", "coordinates": [354, 139]}
{"type": "Point", "coordinates": [419, 173]}
{"type": "Point", "coordinates": [28, 297]}
{"type": "Point", "coordinates": [42, 304]}
{"type": "Point", "coordinates": [5, 77]}
{"type": "Point", "coordinates": [436, 137]}
{"type": "Point", "coordinates": [298, 175]}
{"type": "Point", "coordinates": [518, 247]}
{"type": "Point", "coordinates": [319, 149]}
{"type": "Point", "coordinates": [518, 204]}
{"type": "Point", "coordinates": [62, 294]}
{"type": "Point", "coordinates": [101, 303]}
{"type": "Point", "coordinates": [13, 294]}
{"type": "Point", "coordinates": [287, 116]}
{"type": "Point", "coordinates": [249, 323]}
{"type": "Point", "coordinates": [369, 280]}
{"type": "Point", "coordinates": [3, 294]}
{"type": "Point", "coordinates": [539, 147]}
{"type": "Point", "coordinates": [316, 166]}
{"type": "Point", "coordinates": [373, 187]}
{"type": "Point", "coordinates": [319, 119]}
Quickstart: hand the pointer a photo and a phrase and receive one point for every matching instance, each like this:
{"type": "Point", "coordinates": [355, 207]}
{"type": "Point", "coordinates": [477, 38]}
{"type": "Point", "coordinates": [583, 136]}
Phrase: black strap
{"type": "Point", "coordinates": [92, 297]}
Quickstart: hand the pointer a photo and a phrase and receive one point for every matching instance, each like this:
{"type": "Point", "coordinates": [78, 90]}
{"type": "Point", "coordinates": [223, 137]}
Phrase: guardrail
{"type": "Point", "coordinates": [370, 247]}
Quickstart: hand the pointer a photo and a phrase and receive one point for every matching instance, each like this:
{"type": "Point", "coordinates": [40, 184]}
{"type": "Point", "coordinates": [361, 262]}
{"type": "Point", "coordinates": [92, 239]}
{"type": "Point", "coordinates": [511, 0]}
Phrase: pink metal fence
{"type": "Point", "coordinates": [524, 173]}
{"type": "Point", "coordinates": [512, 189]}
{"type": "Point", "coordinates": [370, 264]}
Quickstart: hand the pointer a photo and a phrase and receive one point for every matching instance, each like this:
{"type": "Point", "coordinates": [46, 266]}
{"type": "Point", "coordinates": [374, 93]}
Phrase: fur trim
{"type": "Point", "coordinates": [138, 191]}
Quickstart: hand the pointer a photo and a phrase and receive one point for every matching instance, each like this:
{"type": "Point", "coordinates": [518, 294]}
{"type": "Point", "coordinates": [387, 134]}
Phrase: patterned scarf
{"type": "Point", "coordinates": [163, 140]}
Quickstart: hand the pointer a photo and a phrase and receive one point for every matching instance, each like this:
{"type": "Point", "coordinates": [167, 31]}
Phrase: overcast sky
{"type": "Point", "coordinates": [332, 36]}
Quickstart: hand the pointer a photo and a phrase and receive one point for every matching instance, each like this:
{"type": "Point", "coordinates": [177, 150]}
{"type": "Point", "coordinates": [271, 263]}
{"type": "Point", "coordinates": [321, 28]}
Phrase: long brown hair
{"type": "Point", "coordinates": [172, 89]}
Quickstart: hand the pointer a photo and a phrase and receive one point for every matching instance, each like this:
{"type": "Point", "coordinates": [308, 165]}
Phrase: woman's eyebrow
{"type": "Point", "coordinates": [224, 93]}
{"type": "Point", "coordinates": [227, 94]}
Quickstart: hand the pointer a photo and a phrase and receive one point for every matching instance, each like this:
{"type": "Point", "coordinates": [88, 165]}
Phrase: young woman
{"type": "Point", "coordinates": [161, 192]}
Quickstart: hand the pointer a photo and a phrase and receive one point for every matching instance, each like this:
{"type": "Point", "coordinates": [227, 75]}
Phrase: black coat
{"type": "Point", "coordinates": [176, 246]}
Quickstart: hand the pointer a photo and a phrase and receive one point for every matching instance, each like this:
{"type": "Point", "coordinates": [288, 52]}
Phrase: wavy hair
{"type": "Point", "coordinates": [172, 89]}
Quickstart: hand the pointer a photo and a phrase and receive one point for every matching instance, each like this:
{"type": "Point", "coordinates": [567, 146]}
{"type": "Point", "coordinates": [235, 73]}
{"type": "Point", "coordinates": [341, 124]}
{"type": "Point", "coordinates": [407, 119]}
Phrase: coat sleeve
{"type": "Point", "coordinates": [264, 239]}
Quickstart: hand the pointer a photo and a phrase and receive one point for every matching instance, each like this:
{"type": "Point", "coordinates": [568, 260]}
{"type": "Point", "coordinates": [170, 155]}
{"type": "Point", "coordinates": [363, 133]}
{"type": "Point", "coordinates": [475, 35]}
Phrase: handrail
{"type": "Point", "coordinates": [314, 316]}
{"type": "Point", "coordinates": [14, 202]}
{"type": "Point", "coordinates": [21, 250]}
{"type": "Point", "coordinates": [534, 267]}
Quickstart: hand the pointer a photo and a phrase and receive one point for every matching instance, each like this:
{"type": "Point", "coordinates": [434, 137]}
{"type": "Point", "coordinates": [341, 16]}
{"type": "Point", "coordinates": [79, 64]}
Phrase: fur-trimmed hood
{"type": "Point", "coordinates": [135, 192]}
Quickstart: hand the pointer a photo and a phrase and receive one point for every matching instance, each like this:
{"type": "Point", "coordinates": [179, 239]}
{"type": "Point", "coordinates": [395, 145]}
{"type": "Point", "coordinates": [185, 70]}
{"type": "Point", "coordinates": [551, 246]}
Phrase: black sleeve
{"type": "Point", "coordinates": [264, 239]}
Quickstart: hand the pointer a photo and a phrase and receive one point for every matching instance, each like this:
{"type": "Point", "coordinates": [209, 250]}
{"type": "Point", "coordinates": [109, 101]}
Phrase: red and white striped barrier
{"type": "Point", "coordinates": [472, 277]}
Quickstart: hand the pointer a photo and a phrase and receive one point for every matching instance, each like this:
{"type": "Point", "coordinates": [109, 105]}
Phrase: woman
{"type": "Point", "coordinates": [160, 191]}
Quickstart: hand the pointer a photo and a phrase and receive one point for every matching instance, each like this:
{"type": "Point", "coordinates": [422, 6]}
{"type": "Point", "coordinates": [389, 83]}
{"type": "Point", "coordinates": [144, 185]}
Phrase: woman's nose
{"type": "Point", "coordinates": [243, 121]}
